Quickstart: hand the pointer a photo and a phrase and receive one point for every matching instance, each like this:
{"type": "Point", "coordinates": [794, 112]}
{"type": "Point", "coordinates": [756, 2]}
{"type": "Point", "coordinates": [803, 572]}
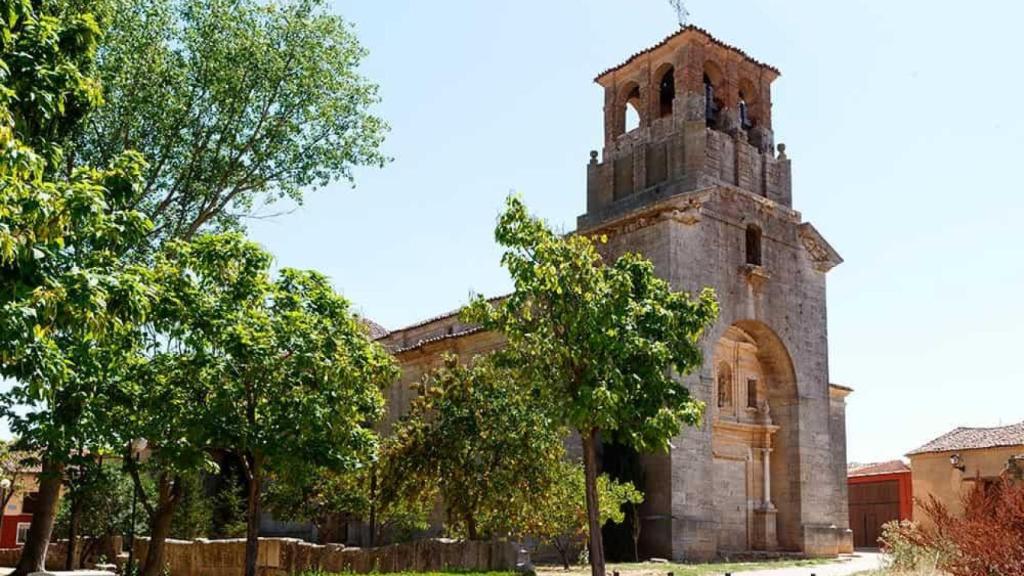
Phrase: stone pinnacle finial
{"type": "Point", "coordinates": [681, 11]}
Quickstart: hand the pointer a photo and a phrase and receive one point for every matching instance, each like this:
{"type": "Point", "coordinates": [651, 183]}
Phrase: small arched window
{"type": "Point", "coordinates": [753, 245]}
{"type": "Point", "coordinates": [667, 93]}
{"type": "Point", "coordinates": [724, 385]}
{"type": "Point", "coordinates": [632, 109]}
{"type": "Point", "coordinates": [712, 106]}
{"type": "Point", "coordinates": [745, 121]}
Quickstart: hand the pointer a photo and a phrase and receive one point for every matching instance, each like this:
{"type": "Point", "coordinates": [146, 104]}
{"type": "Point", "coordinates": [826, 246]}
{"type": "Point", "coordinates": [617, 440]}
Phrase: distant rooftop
{"type": "Point", "coordinates": [878, 468]}
{"type": "Point", "coordinates": [375, 330]}
{"type": "Point", "coordinates": [974, 439]}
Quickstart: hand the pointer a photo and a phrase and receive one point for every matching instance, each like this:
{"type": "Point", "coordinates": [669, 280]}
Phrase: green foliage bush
{"type": "Point", "coordinates": [901, 549]}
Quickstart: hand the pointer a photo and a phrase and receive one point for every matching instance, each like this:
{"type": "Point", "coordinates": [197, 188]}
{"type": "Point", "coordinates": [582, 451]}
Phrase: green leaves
{"type": "Point", "coordinates": [605, 342]}
{"type": "Point", "coordinates": [236, 104]}
{"type": "Point", "coordinates": [477, 438]}
{"type": "Point", "coordinates": [277, 367]}
{"type": "Point", "coordinates": [68, 300]}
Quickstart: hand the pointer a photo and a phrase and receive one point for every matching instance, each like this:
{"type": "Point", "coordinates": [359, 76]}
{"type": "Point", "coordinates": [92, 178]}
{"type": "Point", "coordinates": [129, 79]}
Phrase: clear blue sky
{"type": "Point", "coordinates": [900, 117]}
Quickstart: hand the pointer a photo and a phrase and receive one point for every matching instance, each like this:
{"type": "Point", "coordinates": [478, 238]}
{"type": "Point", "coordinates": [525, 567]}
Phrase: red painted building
{"type": "Point", "coordinates": [878, 493]}
{"type": "Point", "coordinates": [13, 523]}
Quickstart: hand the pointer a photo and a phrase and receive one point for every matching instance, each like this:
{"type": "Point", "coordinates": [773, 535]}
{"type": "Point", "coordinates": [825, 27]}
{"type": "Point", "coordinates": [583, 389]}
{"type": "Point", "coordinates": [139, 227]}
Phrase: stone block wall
{"type": "Point", "coordinates": [94, 550]}
{"type": "Point", "coordinates": [287, 556]}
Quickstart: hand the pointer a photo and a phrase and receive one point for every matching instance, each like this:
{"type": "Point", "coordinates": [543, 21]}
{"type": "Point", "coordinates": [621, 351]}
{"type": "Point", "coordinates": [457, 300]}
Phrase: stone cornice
{"type": "Point", "coordinates": [838, 391]}
{"type": "Point", "coordinates": [688, 209]}
{"type": "Point", "coordinates": [822, 253]}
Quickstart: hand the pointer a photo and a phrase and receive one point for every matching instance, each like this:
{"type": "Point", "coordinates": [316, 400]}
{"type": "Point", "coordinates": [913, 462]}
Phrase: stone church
{"type": "Point", "coordinates": [701, 189]}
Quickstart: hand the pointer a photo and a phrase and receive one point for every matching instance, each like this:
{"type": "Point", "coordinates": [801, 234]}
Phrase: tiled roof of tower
{"type": "Point", "coordinates": [878, 468]}
{"type": "Point", "coordinates": [690, 28]}
{"type": "Point", "coordinates": [975, 438]}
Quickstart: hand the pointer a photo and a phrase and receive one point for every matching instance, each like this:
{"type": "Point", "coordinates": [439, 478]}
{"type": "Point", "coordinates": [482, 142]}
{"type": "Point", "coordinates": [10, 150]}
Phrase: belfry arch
{"type": "Point", "coordinates": [755, 438]}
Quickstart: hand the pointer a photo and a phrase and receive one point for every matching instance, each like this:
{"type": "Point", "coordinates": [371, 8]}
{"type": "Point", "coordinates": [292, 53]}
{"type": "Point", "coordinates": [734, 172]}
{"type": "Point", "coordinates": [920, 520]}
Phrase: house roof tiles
{"type": "Point", "coordinates": [878, 468]}
{"type": "Point", "coordinates": [975, 438]}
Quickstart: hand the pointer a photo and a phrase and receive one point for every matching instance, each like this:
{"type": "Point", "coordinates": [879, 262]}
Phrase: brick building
{"type": "Point", "coordinates": [700, 188]}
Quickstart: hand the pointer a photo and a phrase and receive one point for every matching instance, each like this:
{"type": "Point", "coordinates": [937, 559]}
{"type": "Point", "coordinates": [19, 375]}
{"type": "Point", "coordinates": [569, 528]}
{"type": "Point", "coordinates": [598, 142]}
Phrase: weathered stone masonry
{"type": "Point", "coordinates": [701, 189]}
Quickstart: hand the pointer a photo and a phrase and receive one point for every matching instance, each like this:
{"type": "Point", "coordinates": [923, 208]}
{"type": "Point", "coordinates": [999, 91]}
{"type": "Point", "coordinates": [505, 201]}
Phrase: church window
{"type": "Point", "coordinates": [632, 109]}
{"type": "Point", "coordinates": [710, 107]}
{"type": "Point", "coordinates": [752, 393]}
{"type": "Point", "coordinates": [724, 385]}
{"type": "Point", "coordinates": [753, 245]}
{"type": "Point", "coordinates": [667, 93]}
{"type": "Point", "coordinates": [745, 121]}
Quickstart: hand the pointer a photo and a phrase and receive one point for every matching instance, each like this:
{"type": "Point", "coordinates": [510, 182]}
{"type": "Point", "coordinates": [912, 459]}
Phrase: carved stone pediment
{"type": "Point", "coordinates": [822, 254]}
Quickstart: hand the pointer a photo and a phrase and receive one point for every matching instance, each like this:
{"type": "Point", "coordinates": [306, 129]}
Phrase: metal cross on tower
{"type": "Point", "coordinates": [684, 14]}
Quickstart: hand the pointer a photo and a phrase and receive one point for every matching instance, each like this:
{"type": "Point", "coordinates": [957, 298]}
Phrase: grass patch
{"type": "Point", "coordinates": [449, 573]}
{"type": "Point", "coordinates": [661, 569]}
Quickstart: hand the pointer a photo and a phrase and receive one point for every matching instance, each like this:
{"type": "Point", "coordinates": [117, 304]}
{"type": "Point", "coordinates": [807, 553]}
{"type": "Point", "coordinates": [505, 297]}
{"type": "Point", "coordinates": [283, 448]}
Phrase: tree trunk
{"type": "Point", "coordinates": [373, 505]}
{"type": "Point", "coordinates": [563, 550]}
{"type": "Point", "coordinates": [593, 511]}
{"type": "Point", "coordinates": [169, 493]}
{"type": "Point", "coordinates": [252, 531]}
{"type": "Point", "coordinates": [471, 532]}
{"type": "Point", "coordinates": [33, 554]}
{"type": "Point", "coordinates": [71, 561]}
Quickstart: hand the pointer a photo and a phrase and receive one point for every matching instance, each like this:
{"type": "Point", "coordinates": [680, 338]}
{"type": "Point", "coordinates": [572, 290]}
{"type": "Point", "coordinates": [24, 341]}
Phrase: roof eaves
{"type": "Point", "coordinates": [684, 30]}
{"type": "Point", "coordinates": [443, 337]}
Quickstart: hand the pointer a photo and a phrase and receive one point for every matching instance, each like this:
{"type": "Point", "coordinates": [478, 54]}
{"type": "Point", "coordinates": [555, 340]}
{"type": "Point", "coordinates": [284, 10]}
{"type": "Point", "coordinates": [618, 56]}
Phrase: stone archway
{"type": "Point", "coordinates": [755, 430]}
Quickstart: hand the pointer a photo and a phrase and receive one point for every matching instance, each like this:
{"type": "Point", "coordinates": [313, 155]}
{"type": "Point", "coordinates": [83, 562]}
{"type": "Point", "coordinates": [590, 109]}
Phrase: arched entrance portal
{"type": "Point", "coordinates": [755, 425]}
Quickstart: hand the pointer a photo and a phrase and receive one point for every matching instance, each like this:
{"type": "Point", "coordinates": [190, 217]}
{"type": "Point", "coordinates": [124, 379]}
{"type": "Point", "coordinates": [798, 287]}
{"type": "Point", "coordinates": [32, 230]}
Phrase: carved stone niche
{"type": "Point", "coordinates": [756, 275]}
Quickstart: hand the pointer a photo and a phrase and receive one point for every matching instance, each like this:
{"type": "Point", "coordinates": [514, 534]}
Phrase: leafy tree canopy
{"type": "Point", "coordinates": [68, 301]}
{"type": "Point", "coordinates": [605, 342]}
{"type": "Point", "coordinates": [273, 369]}
{"type": "Point", "coordinates": [601, 339]}
{"type": "Point", "coordinates": [234, 103]}
{"type": "Point", "coordinates": [478, 440]}
{"type": "Point", "coordinates": [560, 516]}
{"type": "Point", "coordinates": [64, 287]}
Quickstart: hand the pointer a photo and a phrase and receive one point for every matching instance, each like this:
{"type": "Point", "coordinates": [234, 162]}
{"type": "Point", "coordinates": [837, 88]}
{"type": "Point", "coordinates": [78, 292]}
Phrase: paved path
{"type": "Point", "coordinates": [858, 562]}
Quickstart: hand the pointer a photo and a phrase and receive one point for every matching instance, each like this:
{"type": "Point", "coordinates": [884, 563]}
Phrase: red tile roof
{"type": "Point", "coordinates": [684, 30]}
{"type": "Point", "coordinates": [447, 336]}
{"type": "Point", "coordinates": [492, 300]}
{"type": "Point", "coordinates": [878, 468]}
{"type": "Point", "coordinates": [975, 438]}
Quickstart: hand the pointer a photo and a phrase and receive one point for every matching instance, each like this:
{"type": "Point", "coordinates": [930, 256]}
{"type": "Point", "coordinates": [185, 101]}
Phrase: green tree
{"type": "Point", "coordinates": [96, 503]}
{"type": "Point", "coordinates": [275, 371]}
{"type": "Point", "coordinates": [64, 289]}
{"type": "Point", "coordinates": [234, 103]}
{"type": "Point", "coordinates": [477, 439]}
{"type": "Point", "coordinates": [560, 514]}
{"type": "Point", "coordinates": [601, 341]}
{"type": "Point", "coordinates": [330, 499]}
{"type": "Point", "coordinates": [323, 497]}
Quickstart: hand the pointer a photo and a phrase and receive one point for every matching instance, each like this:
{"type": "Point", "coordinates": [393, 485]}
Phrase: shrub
{"type": "Point", "coordinates": [904, 548]}
{"type": "Point", "coordinates": [987, 539]}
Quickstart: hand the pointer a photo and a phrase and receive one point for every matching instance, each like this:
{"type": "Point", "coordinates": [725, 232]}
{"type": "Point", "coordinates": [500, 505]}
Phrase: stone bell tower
{"type": "Point", "coordinates": [701, 189]}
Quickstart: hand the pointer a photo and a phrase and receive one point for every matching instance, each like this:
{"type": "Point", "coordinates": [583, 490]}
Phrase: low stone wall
{"type": "Point", "coordinates": [105, 548]}
{"type": "Point", "coordinates": [287, 556]}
